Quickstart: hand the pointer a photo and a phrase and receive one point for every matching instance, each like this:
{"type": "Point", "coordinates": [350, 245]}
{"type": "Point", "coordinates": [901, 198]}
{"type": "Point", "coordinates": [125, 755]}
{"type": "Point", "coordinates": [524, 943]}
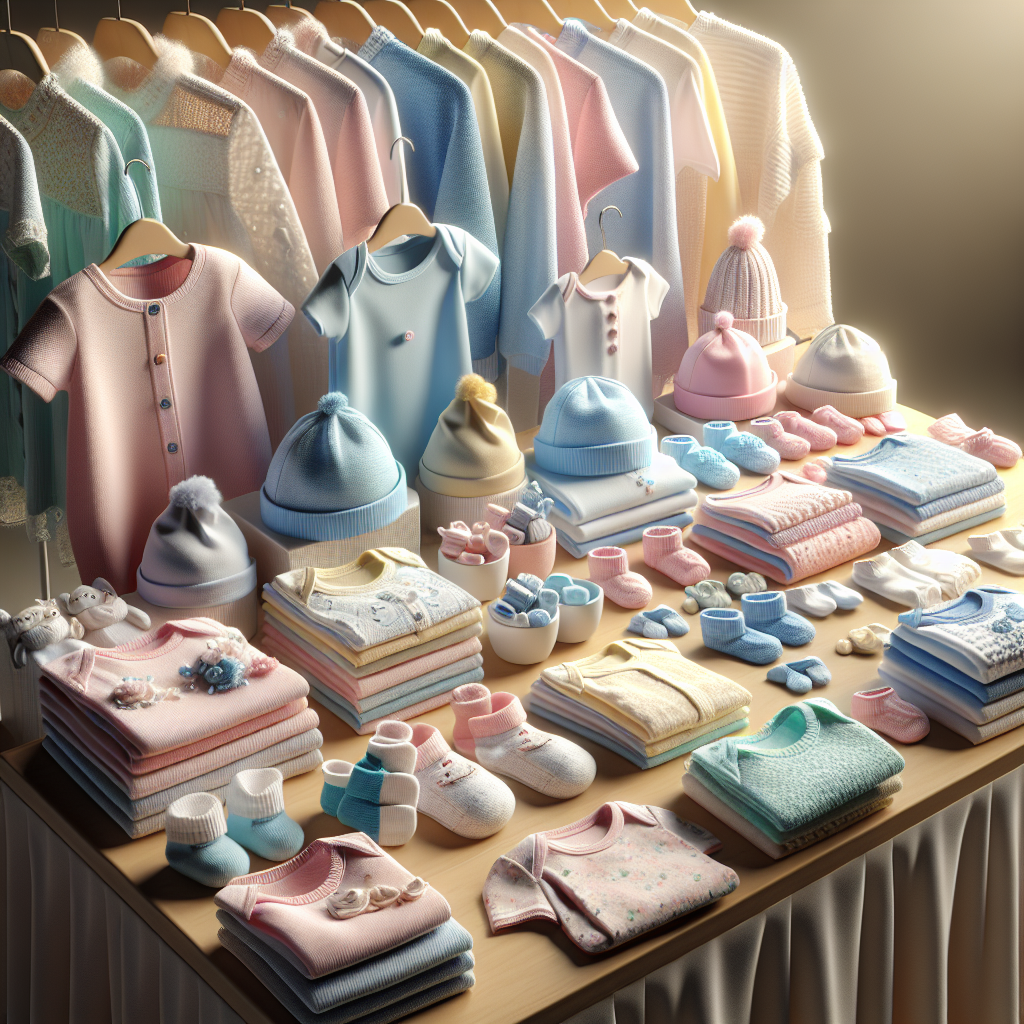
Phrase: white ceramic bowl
{"type": "Point", "coordinates": [485, 582]}
{"type": "Point", "coordinates": [579, 622]}
{"type": "Point", "coordinates": [522, 645]}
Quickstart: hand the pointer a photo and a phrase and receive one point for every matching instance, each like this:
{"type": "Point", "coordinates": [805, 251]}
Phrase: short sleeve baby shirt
{"type": "Point", "coordinates": [399, 337]}
{"type": "Point", "coordinates": [603, 328]}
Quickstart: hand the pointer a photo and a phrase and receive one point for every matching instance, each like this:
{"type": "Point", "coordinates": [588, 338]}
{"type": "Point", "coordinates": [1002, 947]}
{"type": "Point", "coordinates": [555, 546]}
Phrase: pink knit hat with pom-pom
{"type": "Point", "coordinates": [744, 282]}
{"type": "Point", "coordinates": [724, 375]}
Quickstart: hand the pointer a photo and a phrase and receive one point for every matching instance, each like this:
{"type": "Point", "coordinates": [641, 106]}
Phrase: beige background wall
{"type": "Point", "coordinates": [920, 107]}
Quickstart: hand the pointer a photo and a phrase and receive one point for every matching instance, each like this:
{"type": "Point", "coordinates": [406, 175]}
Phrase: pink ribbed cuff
{"type": "Point", "coordinates": [660, 542]}
{"type": "Point", "coordinates": [507, 713]}
{"type": "Point", "coordinates": [471, 700]}
{"type": "Point", "coordinates": [430, 745]}
{"type": "Point", "coordinates": [727, 407]}
{"type": "Point", "coordinates": [605, 563]}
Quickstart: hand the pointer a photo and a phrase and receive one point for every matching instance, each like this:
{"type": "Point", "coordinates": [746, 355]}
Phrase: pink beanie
{"type": "Point", "coordinates": [724, 375]}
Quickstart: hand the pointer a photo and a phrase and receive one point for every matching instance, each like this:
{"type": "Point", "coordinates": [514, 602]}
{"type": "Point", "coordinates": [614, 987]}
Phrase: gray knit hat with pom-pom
{"type": "Point", "coordinates": [195, 554]}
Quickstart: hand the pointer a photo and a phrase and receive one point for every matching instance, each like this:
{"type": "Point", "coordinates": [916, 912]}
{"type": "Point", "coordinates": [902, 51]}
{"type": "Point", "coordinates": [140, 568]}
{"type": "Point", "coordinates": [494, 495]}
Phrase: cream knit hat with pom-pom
{"type": "Point", "coordinates": [745, 284]}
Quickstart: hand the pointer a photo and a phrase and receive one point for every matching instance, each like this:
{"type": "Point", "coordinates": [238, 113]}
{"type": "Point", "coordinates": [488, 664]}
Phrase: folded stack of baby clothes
{"type": "Point", "coordinates": [962, 662]}
{"type": "Point", "coordinates": [916, 488]}
{"type": "Point", "coordinates": [642, 699]}
{"type": "Point", "coordinates": [787, 527]}
{"type": "Point", "coordinates": [810, 772]}
{"type": "Point", "coordinates": [179, 710]}
{"type": "Point", "coordinates": [343, 933]}
{"type": "Point", "coordinates": [596, 457]}
{"type": "Point", "coordinates": [380, 637]}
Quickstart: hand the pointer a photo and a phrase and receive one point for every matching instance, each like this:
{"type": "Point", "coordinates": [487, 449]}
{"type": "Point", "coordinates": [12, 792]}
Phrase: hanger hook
{"type": "Point", "coordinates": [56, 17]}
{"type": "Point", "coordinates": [188, 8]}
{"type": "Point", "coordinates": [600, 222]}
{"type": "Point", "coordinates": [136, 160]}
{"type": "Point", "coordinates": [401, 138]}
{"type": "Point", "coordinates": [10, 30]}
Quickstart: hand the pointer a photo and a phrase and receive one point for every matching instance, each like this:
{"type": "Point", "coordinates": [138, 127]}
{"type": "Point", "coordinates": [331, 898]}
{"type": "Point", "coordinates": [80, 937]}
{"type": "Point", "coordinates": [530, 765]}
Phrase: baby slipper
{"type": "Point", "coordinates": [609, 569]}
{"type": "Point", "coordinates": [794, 681]}
{"type": "Point", "coordinates": [709, 594]}
{"type": "Point", "coordinates": [740, 583]}
{"type": "Point", "coordinates": [814, 668]}
{"type": "Point", "coordinates": [885, 712]}
{"type": "Point", "coordinates": [659, 623]}
{"type": "Point", "coordinates": [820, 437]}
{"type": "Point", "coordinates": [664, 552]}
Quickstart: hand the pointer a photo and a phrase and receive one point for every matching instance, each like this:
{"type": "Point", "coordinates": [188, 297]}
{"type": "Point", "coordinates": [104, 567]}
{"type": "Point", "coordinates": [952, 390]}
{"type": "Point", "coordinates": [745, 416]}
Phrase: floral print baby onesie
{"type": "Point", "coordinates": [620, 872]}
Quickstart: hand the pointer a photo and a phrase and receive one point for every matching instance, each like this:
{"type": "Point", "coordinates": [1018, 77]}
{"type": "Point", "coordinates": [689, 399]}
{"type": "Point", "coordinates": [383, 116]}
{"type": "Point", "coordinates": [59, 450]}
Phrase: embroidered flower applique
{"type": "Point", "coordinates": [227, 663]}
{"type": "Point", "coordinates": [342, 904]}
{"type": "Point", "coordinates": [133, 693]}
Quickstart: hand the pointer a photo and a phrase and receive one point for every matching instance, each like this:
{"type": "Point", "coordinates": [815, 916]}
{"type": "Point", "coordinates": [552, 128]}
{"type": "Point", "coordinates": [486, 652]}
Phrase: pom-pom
{"type": "Point", "coordinates": [746, 231]}
{"type": "Point", "coordinates": [723, 320]}
{"type": "Point", "coordinates": [194, 493]}
{"type": "Point", "coordinates": [332, 402]}
{"type": "Point", "coordinates": [472, 385]}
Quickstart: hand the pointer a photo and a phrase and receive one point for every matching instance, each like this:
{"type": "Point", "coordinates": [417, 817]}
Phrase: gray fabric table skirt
{"type": "Point", "coordinates": [923, 929]}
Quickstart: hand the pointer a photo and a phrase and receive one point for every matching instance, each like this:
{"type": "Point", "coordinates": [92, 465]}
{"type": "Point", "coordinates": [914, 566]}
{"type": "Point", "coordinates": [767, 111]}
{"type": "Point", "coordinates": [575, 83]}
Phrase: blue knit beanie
{"type": "Point", "coordinates": [332, 477]}
{"type": "Point", "coordinates": [594, 427]}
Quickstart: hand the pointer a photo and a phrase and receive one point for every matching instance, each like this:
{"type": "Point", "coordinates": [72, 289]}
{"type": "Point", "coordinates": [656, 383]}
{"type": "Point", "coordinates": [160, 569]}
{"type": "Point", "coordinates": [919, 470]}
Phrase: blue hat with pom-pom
{"type": "Point", "coordinates": [333, 476]}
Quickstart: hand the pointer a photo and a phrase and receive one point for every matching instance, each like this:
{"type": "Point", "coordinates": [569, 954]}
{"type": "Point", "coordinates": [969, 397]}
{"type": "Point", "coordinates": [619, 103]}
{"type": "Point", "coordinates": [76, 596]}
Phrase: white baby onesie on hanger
{"type": "Point", "coordinates": [603, 328]}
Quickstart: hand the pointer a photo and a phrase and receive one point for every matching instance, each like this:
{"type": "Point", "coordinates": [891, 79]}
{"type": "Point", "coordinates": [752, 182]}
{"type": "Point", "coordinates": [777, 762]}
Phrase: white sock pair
{"type": "Point", "coordinates": [886, 576]}
{"type": "Point", "coordinates": [1003, 549]}
{"type": "Point", "coordinates": [954, 573]}
{"type": "Point", "coordinates": [821, 599]}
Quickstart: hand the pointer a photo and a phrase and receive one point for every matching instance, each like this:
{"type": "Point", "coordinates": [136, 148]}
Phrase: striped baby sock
{"type": "Point", "coordinates": [256, 815]}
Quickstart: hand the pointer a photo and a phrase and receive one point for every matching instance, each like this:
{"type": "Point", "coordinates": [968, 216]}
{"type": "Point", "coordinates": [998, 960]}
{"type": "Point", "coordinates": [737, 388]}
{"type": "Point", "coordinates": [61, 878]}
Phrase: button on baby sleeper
{"type": "Point", "coordinates": [409, 335]}
{"type": "Point", "coordinates": [165, 403]}
{"type": "Point", "coordinates": [172, 447]}
{"type": "Point", "coordinates": [153, 309]}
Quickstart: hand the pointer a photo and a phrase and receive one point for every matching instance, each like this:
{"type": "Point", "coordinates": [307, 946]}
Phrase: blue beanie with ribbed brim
{"type": "Point", "coordinates": [594, 426]}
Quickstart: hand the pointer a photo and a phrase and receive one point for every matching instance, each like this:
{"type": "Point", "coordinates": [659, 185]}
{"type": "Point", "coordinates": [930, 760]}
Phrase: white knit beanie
{"type": "Point", "coordinates": [744, 283]}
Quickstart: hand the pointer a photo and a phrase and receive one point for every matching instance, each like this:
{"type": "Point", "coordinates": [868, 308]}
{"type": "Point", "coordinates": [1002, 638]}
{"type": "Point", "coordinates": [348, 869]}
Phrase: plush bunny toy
{"type": "Point", "coordinates": [98, 606]}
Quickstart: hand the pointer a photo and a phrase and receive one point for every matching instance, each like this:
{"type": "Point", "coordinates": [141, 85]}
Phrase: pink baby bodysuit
{"type": "Point", "coordinates": [160, 387]}
{"type": "Point", "coordinates": [139, 690]}
{"type": "Point", "coordinates": [622, 871]}
{"type": "Point", "coordinates": [290, 906]}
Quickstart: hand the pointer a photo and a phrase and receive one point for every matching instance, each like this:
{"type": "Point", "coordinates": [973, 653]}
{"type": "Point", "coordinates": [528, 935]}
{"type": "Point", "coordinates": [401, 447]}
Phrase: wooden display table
{"type": "Point", "coordinates": [550, 978]}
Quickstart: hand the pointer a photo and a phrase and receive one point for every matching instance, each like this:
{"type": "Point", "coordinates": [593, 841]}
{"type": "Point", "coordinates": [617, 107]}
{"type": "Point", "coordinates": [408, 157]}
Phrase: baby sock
{"type": "Point", "coordinates": [954, 573]}
{"type": "Point", "coordinates": [724, 629]}
{"type": "Point", "coordinates": [819, 436]}
{"type": "Point", "coordinates": [995, 550]}
{"type": "Point", "coordinates": [505, 743]}
{"type": "Point", "coordinates": [893, 421]}
{"type": "Point", "coordinates": [789, 446]}
{"type": "Point", "coordinates": [538, 530]}
{"type": "Point", "coordinates": [664, 551]}
{"type": "Point", "coordinates": [711, 468]}
{"type": "Point", "coordinates": [1014, 536]}
{"type": "Point", "coordinates": [745, 583]}
{"type": "Point", "coordinates": [471, 700]}
{"type": "Point", "coordinates": [794, 680]}
{"type": "Point", "coordinates": [462, 796]}
{"type": "Point", "coordinates": [744, 449]}
{"type": "Point", "coordinates": [952, 430]}
{"type": "Point", "coordinates": [847, 429]}
{"type": "Point", "coordinates": [814, 668]}
{"type": "Point", "coordinates": [706, 594]}
{"type": "Point", "coordinates": [609, 569]}
{"type": "Point", "coordinates": [658, 623]}
{"type": "Point", "coordinates": [816, 470]}
{"type": "Point", "coordinates": [256, 815]}
{"type": "Point", "coordinates": [873, 425]}
{"type": "Point", "coordinates": [380, 803]}
{"type": "Point", "coordinates": [768, 613]}
{"type": "Point", "coordinates": [496, 516]}
{"type": "Point", "coordinates": [885, 712]}
{"type": "Point", "coordinates": [884, 575]}
{"type": "Point", "coordinates": [844, 597]}
{"type": "Point", "coordinates": [336, 775]}
{"type": "Point", "coordinates": [810, 600]}
{"type": "Point", "coordinates": [197, 842]}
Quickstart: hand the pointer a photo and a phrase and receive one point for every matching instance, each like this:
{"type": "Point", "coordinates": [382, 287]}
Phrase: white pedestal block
{"type": "Point", "coordinates": [242, 614]}
{"type": "Point", "coordinates": [275, 553]}
{"type": "Point", "coordinates": [675, 422]}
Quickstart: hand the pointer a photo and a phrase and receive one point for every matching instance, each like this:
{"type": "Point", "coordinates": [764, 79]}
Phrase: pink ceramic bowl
{"type": "Point", "coordinates": [538, 558]}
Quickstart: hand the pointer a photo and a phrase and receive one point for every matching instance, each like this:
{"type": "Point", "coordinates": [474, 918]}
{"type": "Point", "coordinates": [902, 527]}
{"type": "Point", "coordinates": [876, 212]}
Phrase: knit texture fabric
{"type": "Point", "coordinates": [767, 613]}
{"type": "Point", "coordinates": [789, 446]}
{"type": "Point", "coordinates": [808, 528]}
{"type": "Point", "coordinates": [196, 844]}
{"type": "Point", "coordinates": [781, 502]}
{"type": "Point", "coordinates": [741, 447]}
{"type": "Point", "coordinates": [954, 573]}
{"type": "Point", "coordinates": [724, 630]}
{"type": "Point", "coordinates": [256, 816]}
{"type": "Point", "coordinates": [664, 551]}
{"type": "Point", "coordinates": [609, 569]}
{"type": "Point", "coordinates": [883, 711]}
{"type": "Point", "coordinates": [709, 466]}
{"type": "Point", "coordinates": [819, 437]}
{"type": "Point", "coordinates": [952, 430]}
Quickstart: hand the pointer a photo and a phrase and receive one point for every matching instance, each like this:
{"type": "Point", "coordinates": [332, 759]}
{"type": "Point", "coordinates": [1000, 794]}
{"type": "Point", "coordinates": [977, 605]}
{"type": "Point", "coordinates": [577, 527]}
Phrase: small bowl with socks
{"type": "Point", "coordinates": [523, 623]}
{"type": "Point", "coordinates": [531, 537]}
{"type": "Point", "coordinates": [580, 604]}
{"type": "Point", "coordinates": [475, 558]}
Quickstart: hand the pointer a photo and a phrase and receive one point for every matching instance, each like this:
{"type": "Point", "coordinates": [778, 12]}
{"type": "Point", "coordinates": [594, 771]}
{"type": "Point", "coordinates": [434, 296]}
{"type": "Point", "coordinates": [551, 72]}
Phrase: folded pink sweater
{"type": "Point", "coordinates": [139, 690]}
{"type": "Point", "coordinates": [809, 527]}
{"type": "Point", "coordinates": [291, 904]}
{"type": "Point", "coordinates": [781, 501]}
{"type": "Point", "coordinates": [93, 742]}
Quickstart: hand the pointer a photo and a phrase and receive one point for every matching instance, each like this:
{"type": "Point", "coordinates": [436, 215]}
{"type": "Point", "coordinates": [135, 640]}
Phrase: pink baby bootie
{"type": "Point", "coordinates": [887, 713]}
{"type": "Point", "coordinates": [816, 469]}
{"type": "Point", "coordinates": [609, 569]}
{"type": "Point", "coordinates": [817, 435]}
{"type": "Point", "coordinates": [790, 446]}
{"type": "Point", "coordinates": [952, 430]}
{"type": "Point", "coordinates": [664, 551]}
{"type": "Point", "coordinates": [894, 421]}
{"type": "Point", "coordinates": [873, 425]}
{"type": "Point", "coordinates": [848, 430]}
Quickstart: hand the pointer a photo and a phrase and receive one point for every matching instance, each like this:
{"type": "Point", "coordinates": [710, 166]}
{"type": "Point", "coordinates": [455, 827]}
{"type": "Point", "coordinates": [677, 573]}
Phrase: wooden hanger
{"type": "Point", "coordinates": [243, 26]}
{"type": "Point", "coordinates": [401, 219]}
{"type": "Point", "coordinates": [441, 15]}
{"type": "Point", "coordinates": [394, 15]}
{"type": "Point", "coordinates": [122, 37]}
{"type": "Point", "coordinates": [605, 263]}
{"type": "Point", "coordinates": [533, 12]}
{"type": "Point", "coordinates": [199, 34]}
{"type": "Point", "coordinates": [284, 15]}
{"type": "Point", "coordinates": [18, 52]}
{"type": "Point", "coordinates": [681, 10]}
{"type": "Point", "coordinates": [344, 19]}
{"type": "Point", "coordinates": [590, 11]}
{"type": "Point", "coordinates": [480, 14]}
{"type": "Point", "coordinates": [144, 237]}
{"type": "Point", "coordinates": [55, 42]}
{"type": "Point", "coordinates": [621, 8]}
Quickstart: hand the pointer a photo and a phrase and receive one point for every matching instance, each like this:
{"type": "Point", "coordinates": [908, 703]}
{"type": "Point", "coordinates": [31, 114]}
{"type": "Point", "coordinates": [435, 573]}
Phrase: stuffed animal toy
{"type": "Point", "coordinates": [98, 606]}
{"type": "Point", "coordinates": [37, 627]}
